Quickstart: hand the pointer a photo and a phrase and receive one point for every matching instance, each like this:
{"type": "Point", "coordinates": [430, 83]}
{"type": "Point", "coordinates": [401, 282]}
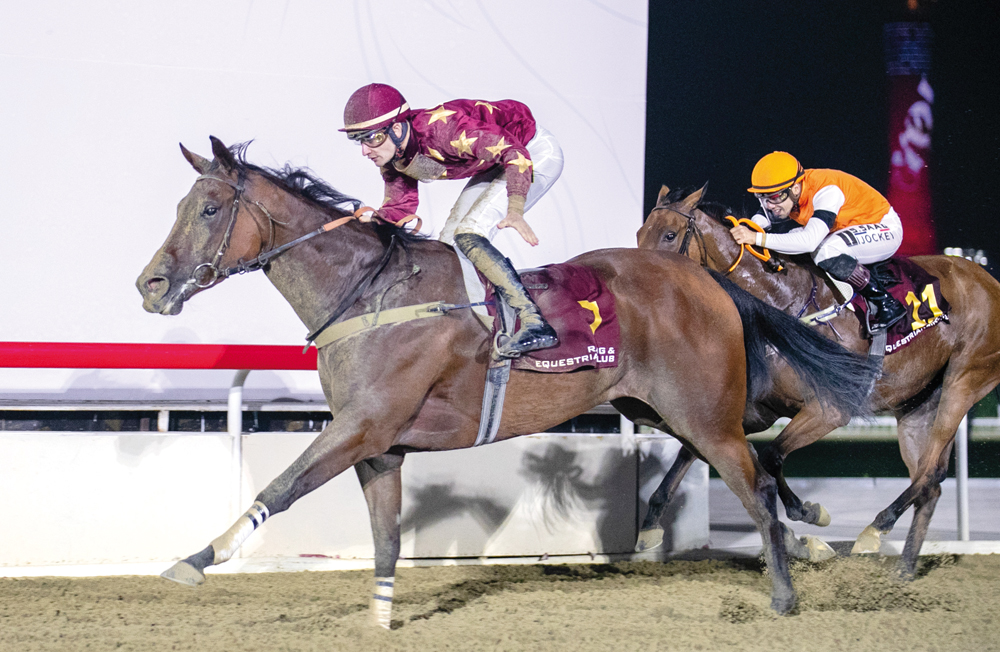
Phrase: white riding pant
{"type": "Point", "coordinates": [483, 202]}
{"type": "Point", "coordinates": [866, 243]}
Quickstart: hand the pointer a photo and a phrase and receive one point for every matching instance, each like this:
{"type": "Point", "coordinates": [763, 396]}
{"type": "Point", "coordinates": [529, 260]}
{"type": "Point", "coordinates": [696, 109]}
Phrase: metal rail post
{"type": "Point", "coordinates": [234, 425]}
{"type": "Point", "coordinates": [962, 477]}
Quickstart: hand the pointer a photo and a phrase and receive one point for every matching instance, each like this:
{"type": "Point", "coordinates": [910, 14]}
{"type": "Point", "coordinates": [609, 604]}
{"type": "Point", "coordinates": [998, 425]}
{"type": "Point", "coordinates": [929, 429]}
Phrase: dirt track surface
{"type": "Point", "coordinates": [845, 603]}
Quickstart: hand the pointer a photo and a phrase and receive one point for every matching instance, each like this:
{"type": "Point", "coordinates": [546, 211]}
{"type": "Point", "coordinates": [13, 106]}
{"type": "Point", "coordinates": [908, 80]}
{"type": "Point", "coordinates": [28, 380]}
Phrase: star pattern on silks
{"type": "Point", "coordinates": [463, 144]}
{"type": "Point", "coordinates": [435, 154]}
{"type": "Point", "coordinates": [522, 163]}
{"type": "Point", "coordinates": [441, 114]}
{"type": "Point", "coordinates": [498, 148]}
{"type": "Point", "coordinates": [489, 107]}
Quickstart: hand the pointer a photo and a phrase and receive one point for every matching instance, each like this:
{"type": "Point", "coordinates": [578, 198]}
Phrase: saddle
{"type": "Point", "coordinates": [579, 306]}
{"type": "Point", "coordinates": [913, 287]}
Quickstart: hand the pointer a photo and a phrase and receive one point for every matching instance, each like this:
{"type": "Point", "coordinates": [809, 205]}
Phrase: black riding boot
{"type": "Point", "coordinates": [535, 333]}
{"type": "Point", "coordinates": [888, 310]}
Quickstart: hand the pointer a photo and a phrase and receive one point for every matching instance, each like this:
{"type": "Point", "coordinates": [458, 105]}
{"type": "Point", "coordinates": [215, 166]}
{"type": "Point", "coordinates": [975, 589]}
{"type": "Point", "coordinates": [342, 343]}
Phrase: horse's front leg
{"type": "Point", "coordinates": [810, 424]}
{"type": "Point", "coordinates": [342, 444]}
{"type": "Point", "coordinates": [381, 481]}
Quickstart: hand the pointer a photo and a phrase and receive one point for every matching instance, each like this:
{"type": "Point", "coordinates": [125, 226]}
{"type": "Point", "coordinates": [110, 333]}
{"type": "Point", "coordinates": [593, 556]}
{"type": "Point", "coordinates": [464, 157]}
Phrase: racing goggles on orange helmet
{"type": "Point", "coordinates": [372, 138]}
{"type": "Point", "coordinates": [774, 198]}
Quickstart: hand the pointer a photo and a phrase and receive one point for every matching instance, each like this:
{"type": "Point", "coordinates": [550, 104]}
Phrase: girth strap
{"type": "Point", "coordinates": [362, 323]}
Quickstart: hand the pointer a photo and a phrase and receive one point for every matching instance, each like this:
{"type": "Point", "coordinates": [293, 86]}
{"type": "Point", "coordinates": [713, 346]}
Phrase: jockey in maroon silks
{"type": "Point", "coordinates": [510, 163]}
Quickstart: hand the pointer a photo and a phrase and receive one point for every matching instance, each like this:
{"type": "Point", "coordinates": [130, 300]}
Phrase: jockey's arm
{"type": "Point", "coordinates": [805, 239]}
{"type": "Point", "coordinates": [401, 196]}
{"type": "Point", "coordinates": [827, 202]}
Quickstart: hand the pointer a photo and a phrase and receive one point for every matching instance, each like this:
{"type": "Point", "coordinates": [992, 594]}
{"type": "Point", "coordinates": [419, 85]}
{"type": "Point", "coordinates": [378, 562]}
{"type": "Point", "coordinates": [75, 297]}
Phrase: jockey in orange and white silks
{"type": "Point", "coordinates": [510, 163]}
{"type": "Point", "coordinates": [842, 221]}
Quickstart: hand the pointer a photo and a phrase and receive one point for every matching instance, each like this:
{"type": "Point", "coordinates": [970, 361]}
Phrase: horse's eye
{"type": "Point", "coordinates": [210, 211]}
{"type": "Point", "coordinates": [669, 236]}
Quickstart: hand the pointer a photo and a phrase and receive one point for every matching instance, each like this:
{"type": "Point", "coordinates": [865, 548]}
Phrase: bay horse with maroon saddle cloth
{"type": "Point", "coordinates": [945, 358]}
{"type": "Point", "coordinates": [688, 352]}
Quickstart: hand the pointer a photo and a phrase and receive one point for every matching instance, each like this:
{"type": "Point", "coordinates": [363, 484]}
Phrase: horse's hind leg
{"type": "Point", "coordinates": [926, 436]}
{"type": "Point", "coordinates": [758, 492]}
{"type": "Point", "coordinates": [914, 433]}
{"type": "Point", "coordinates": [651, 532]}
{"type": "Point", "coordinates": [380, 479]}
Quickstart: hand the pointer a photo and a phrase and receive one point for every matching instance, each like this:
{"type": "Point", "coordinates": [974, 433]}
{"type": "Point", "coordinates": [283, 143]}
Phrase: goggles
{"type": "Point", "coordinates": [774, 198]}
{"type": "Point", "coordinates": [372, 138]}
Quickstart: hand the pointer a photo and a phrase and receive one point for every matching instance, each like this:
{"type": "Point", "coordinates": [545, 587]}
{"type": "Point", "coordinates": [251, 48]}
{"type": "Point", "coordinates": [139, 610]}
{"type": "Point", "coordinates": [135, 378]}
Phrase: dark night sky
{"type": "Point", "coordinates": [731, 81]}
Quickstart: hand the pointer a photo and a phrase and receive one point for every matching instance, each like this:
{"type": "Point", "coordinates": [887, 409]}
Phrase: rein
{"type": "Point", "coordinates": [764, 255]}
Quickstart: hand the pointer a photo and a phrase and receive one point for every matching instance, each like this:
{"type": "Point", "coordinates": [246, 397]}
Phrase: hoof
{"type": "Point", "coordinates": [823, 518]}
{"type": "Point", "coordinates": [869, 541]}
{"type": "Point", "coordinates": [818, 549]}
{"type": "Point", "coordinates": [183, 573]}
{"type": "Point", "coordinates": [783, 606]}
{"type": "Point", "coordinates": [649, 539]}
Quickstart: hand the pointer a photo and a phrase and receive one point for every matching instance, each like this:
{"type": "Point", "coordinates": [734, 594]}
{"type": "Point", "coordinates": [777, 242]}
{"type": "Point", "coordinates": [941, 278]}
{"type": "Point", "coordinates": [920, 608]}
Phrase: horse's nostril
{"type": "Point", "coordinates": [157, 285]}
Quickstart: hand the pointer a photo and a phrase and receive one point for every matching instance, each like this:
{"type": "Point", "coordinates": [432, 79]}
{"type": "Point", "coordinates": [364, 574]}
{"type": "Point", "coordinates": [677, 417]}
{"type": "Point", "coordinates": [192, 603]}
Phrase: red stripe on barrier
{"type": "Point", "coordinates": [88, 355]}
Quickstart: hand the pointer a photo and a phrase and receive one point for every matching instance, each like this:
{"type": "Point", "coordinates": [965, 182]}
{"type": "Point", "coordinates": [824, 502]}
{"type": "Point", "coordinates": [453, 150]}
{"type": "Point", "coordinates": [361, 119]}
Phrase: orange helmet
{"type": "Point", "coordinates": [774, 172]}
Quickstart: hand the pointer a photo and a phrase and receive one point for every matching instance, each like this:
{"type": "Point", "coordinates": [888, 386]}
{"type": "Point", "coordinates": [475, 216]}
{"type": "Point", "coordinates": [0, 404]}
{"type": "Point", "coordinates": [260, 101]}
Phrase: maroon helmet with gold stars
{"type": "Point", "coordinates": [374, 106]}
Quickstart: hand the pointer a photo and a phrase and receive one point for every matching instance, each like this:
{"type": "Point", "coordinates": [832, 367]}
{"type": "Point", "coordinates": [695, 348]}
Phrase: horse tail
{"type": "Point", "coordinates": [838, 377]}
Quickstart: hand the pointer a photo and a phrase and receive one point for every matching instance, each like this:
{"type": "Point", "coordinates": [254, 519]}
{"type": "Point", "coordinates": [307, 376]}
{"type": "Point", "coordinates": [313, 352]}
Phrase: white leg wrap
{"type": "Point", "coordinates": [226, 545]}
{"type": "Point", "coordinates": [381, 605]}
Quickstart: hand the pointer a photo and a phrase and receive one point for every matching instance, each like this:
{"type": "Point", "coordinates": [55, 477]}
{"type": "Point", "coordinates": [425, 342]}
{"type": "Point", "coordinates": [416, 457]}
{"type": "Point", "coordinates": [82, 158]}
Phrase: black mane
{"type": "Point", "coordinates": [303, 183]}
{"type": "Point", "coordinates": [713, 209]}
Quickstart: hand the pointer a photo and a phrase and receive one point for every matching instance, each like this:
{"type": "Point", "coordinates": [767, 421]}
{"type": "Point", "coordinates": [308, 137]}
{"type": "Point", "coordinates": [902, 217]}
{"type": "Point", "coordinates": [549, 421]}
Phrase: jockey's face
{"type": "Point", "coordinates": [384, 152]}
{"type": "Point", "coordinates": [779, 205]}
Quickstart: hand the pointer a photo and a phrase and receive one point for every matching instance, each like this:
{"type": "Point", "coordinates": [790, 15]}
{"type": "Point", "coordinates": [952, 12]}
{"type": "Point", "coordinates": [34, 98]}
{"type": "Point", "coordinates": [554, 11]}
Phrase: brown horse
{"type": "Point", "coordinates": [928, 385]}
{"type": "Point", "coordinates": [418, 385]}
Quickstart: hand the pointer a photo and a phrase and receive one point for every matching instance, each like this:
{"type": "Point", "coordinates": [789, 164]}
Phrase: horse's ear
{"type": "Point", "coordinates": [199, 163]}
{"type": "Point", "coordinates": [691, 201]}
{"type": "Point", "coordinates": [664, 191]}
{"type": "Point", "coordinates": [223, 155]}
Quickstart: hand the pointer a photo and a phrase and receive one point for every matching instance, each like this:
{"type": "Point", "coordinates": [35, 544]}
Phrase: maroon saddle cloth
{"type": "Point", "coordinates": [918, 291]}
{"type": "Point", "coordinates": [580, 307]}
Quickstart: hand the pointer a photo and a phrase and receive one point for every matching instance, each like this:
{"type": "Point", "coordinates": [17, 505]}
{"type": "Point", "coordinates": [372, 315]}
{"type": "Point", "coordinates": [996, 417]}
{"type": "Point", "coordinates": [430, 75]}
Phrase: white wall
{"type": "Point", "coordinates": [130, 498]}
{"type": "Point", "coordinates": [97, 95]}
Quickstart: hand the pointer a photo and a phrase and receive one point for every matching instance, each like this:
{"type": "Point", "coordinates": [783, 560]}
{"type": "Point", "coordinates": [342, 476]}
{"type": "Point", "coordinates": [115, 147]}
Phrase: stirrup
{"type": "Point", "coordinates": [544, 338]}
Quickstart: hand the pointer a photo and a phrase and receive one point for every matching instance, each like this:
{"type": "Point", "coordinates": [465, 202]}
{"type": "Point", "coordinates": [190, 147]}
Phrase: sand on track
{"type": "Point", "coordinates": [714, 604]}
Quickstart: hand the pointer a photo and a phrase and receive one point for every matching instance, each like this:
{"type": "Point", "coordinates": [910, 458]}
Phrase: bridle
{"type": "Point", "coordinates": [265, 256]}
{"type": "Point", "coordinates": [262, 259]}
{"type": "Point", "coordinates": [692, 228]}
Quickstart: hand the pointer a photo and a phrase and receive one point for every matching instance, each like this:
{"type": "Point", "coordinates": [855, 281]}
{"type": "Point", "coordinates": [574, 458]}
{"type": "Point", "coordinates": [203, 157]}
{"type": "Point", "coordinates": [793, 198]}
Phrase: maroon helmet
{"type": "Point", "coordinates": [374, 106]}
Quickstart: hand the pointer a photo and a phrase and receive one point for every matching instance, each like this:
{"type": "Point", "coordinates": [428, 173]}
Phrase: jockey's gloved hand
{"type": "Point", "coordinates": [515, 220]}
